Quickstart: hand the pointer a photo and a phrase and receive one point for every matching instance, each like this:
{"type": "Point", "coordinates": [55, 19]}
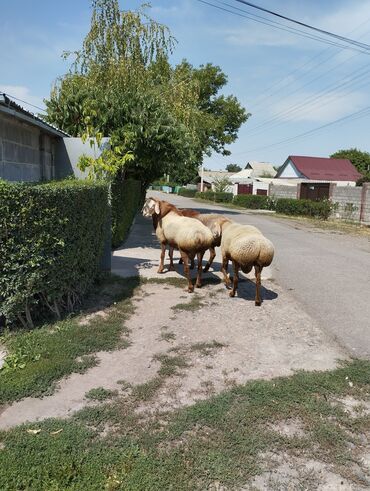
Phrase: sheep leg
{"type": "Point", "coordinates": [185, 260]}
{"type": "Point", "coordinates": [225, 263]}
{"type": "Point", "coordinates": [257, 270]}
{"type": "Point", "coordinates": [161, 263]}
{"type": "Point", "coordinates": [192, 263]}
{"type": "Point", "coordinates": [170, 253]}
{"type": "Point", "coordinates": [235, 279]}
{"type": "Point", "coordinates": [198, 283]}
{"type": "Point", "coordinates": [212, 255]}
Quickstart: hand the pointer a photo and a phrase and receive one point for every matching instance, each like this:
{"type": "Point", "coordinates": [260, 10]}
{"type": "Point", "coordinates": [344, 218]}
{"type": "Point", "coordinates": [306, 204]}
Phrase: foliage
{"type": "Point", "coordinates": [52, 237]}
{"type": "Point", "coordinates": [162, 119]}
{"type": "Point", "coordinates": [127, 196]}
{"type": "Point", "coordinates": [188, 193]}
{"type": "Point", "coordinates": [317, 209]}
{"type": "Point", "coordinates": [222, 439]}
{"type": "Point", "coordinates": [233, 168]}
{"type": "Point", "coordinates": [221, 184]}
{"type": "Point", "coordinates": [361, 160]}
{"type": "Point", "coordinates": [41, 357]}
{"type": "Point", "coordinates": [253, 201]}
{"type": "Point", "coordinates": [363, 179]}
{"type": "Point", "coordinates": [215, 196]}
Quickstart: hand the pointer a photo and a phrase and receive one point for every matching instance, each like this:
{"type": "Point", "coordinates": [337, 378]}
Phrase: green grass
{"type": "Point", "coordinates": [222, 439]}
{"type": "Point", "coordinates": [192, 306]}
{"type": "Point", "coordinates": [100, 394]}
{"type": "Point", "coordinates": [38, 359]}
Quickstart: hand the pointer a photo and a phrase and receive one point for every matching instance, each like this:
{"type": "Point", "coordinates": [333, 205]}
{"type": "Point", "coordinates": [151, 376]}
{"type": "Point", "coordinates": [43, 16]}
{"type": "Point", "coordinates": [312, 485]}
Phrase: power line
{"type": "Point", "coordinates": [24, 102]}
{"type": "Point", "coordinates": [308, 26]}
{"type": "Point", "coordinates": [313, 99]}
{"type": "Point", "coordinates": [286, 28]}
{"type": "Point", "coordinates": [353, 116]}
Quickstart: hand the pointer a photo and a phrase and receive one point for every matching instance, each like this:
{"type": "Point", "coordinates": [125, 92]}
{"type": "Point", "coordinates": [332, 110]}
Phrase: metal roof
{"type": "Point", "coordinates": [321, 169]}
{"type": "Point", "coordinates": [9, 106]}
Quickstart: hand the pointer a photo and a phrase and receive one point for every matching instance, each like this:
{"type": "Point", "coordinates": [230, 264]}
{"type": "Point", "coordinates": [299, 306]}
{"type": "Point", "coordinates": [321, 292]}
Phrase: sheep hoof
{"type": "Point", "coordinates": [232, 293]}
{"type": "Point", "coordinates": [198, 285]}
{"type": "Point", "coordinates": [191, 289]}
{"type": "Point", "coordinates": [172, 268]}
{"type": "Point", "coordinates": [160, 271]}
{"type": "Point", "coordinates": [257, 304]}
{"type": "Point", "coordinates": [205, 269]}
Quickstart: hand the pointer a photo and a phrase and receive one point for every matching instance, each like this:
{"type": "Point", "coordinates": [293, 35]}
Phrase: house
{"type": "Point", "coordinates": [27, 144]}
{"type": "Point", "coordinates": [260, 169]}
{"type": "Point", "coordinates": [210, 177]}
{"type": "Point", "coordinates": [33, 150]}
{"type": "Point", "coordinates": [341, 171]}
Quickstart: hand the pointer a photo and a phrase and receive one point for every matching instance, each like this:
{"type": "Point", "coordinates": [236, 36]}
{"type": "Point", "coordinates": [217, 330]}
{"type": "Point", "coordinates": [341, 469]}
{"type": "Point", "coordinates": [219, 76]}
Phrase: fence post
{"type": "Point", "coordinates": [299, 185]}
{"type": "Point", "coordinates": [364, 191]}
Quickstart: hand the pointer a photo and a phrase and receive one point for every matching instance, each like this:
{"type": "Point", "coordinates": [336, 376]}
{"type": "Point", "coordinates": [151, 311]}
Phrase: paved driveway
{"type": "Point", "coordinates": [327, 273]}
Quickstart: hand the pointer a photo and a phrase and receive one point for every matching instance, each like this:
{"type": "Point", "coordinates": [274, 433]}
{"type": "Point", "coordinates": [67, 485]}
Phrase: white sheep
{"type": "Point", "coordinates": [246, 247]}
{"type": "Point", "coordinates": [188, 235]}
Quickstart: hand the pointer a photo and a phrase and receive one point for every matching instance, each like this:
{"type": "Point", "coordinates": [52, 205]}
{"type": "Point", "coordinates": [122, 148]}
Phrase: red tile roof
{"type": "Point", "coordinates": [317, 168]}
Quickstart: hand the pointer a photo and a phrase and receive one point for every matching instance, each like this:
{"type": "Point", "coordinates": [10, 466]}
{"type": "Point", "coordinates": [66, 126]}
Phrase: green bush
{"type": "Point", "coordinates": [51, 242]}
{"type": "Point", "coordinates": [253, 202]}
{"type": "Point", "coordinates": [305, 207]}
{"type": "Point", "coordinates": [215, 196]}
{"type": "Point", "coordinates": [126, 199]}
{"type": "Point", "coordinates": [188, 193]}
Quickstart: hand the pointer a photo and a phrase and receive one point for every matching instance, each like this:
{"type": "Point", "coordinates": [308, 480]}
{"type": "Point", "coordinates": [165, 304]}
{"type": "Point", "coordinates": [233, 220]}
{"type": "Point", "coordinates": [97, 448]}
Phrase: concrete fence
{"type": "Point", "coordinates": [350, 202]}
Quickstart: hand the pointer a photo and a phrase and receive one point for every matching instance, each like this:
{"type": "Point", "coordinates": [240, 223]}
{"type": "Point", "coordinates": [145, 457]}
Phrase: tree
{"type": "Point", "coordinates": [221, 184]}
{"type": "Point", "coordinates": [122, 85]}
{"type": "Point", "coordinates": [361, 160]}
{"type": "Point", "coordinates": [233, 168]}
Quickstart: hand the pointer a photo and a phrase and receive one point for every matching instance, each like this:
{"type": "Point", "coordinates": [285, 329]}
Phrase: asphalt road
{"type": "Point", "coordinates": [328, 273]}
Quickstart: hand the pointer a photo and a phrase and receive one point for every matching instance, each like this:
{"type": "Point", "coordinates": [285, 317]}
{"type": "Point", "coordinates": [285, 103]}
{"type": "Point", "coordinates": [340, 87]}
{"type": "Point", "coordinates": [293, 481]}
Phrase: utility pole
{"type": "Point", "coordinates": [201, 178]}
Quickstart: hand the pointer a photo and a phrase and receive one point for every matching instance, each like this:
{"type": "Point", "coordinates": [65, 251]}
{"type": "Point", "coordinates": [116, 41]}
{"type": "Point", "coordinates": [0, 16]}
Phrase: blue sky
{"type": "Point", "coordinates": [279, 77]}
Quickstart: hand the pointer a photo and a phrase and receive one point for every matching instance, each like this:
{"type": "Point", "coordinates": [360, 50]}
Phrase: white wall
{"type": "Point", "coordinates": [290, 171]}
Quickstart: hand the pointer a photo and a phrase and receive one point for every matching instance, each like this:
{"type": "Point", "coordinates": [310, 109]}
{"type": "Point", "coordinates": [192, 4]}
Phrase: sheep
{"type": "Point", "coordinates": [187, 234]}
{"type": "Point", "coordinates": [214, 222]}
{"type": "Point", "coordinates": [246, 247]}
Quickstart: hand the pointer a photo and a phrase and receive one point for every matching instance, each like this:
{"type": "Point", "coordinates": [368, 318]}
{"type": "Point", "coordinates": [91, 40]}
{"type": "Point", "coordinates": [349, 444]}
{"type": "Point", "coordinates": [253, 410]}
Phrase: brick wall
{"type": "Point", "coordinates": [366, 203]}
{"type": "Point", "coordinates": [281, 191]}
{"type": "Point", "coordinates": [25, 153]}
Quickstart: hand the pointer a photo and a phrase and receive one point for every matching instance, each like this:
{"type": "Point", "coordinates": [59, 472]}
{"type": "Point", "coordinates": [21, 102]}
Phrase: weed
{"type": "Point", "coordinates": [100, 394]}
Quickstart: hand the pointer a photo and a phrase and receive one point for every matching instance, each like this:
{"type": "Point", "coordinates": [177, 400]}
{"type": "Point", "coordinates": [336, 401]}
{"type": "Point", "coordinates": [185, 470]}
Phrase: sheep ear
{"type": "Point", "coordinates": [157, 208]}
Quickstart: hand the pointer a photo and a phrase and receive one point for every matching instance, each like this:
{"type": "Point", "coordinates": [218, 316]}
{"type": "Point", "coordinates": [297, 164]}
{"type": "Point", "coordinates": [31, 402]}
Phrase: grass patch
{"type": "Point", "coordinates": [100, 394]}
{"type": "Point", "coordinates": [194, 304]}
{"type": "Point", "coordinates": [38, 359]}
{"type": "Point", "coordinates": [219, 440]}
{"type": "Point", "coordinates": [167, 336]}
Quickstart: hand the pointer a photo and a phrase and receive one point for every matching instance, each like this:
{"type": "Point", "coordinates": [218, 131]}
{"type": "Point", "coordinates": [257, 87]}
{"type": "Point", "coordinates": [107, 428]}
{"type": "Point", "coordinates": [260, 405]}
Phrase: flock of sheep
{"type": "Point", "coordinates": [192, 233]}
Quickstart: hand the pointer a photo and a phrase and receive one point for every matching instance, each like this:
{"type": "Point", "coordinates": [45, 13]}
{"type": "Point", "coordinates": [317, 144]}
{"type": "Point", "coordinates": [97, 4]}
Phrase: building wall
{"type": "Point", "coordinates": [281, 191]}
{"type": "Point", "coordinates": [290, 171]}
{"type": "Point", "coordinates": [26, 154]}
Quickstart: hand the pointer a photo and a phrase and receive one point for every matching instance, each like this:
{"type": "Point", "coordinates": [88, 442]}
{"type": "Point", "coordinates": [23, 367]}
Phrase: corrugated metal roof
{"type": "Point", "coordinates": [261, 168]}
{"type": "Point", "coordinates": [319, 168]}
{"type": "Point", "coordinates": [14, 109]}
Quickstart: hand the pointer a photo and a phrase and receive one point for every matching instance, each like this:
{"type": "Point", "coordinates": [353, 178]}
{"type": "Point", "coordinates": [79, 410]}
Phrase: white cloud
{"type": "Point", "coordinates": [23, 93]}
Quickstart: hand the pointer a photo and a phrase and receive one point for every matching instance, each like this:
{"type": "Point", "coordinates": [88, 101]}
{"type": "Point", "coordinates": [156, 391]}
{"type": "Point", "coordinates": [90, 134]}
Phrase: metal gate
{"type": "Point", "coordinates": [245, 188]}
{"type": "Point", "coordinates": [315, 191]}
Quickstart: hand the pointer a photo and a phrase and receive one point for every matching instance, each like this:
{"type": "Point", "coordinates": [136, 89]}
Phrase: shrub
{"type": "Point", "coordinates": [188, 193]}
{"type": "Point", "coordinates": [254, 202]}
{"type": "Point", "coordinates": [126, 199]}
{"type": "Point", "coordinates": [214, 196]}
{"type": "Point", "coordinates": [305, 207]}
{"type": "Point", "coordinates": [51, 241]}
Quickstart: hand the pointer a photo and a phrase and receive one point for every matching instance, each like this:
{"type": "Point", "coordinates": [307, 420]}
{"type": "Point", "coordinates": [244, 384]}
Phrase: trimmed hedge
{"type": "Point", "coordinates": [316, 209]}
{"type": "Point", "coordinates": [126, 199]}
{"type": "Point", "coordinates": [215, 196]}
{"type": "Point", "coordinates": [51, 241]}
{"type": "Point", "coordinates": [187, 193]}
{"type": "Point", "coordinates": [254, 201]}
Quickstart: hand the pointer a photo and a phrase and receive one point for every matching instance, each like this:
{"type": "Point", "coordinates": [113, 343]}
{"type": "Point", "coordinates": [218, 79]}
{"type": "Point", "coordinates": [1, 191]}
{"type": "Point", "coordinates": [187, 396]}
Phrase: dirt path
{"type": "Point", "coordinates": [224, 341]}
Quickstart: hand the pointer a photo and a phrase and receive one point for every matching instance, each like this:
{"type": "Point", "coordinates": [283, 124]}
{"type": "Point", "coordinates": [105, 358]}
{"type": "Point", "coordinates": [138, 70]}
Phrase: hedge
{"type": "Point", "coordinates": [51, 242]}
{"type": "Point", "coordinates": [215, 196]}
{"type": "Point", "coordinates": [187, 193]}
{"type": "Point", "coordinates": [254, 201]}
{"type": "Point", "coordinates": [316, 209]}
{"type": "Point", "coordinates": [126, 199]}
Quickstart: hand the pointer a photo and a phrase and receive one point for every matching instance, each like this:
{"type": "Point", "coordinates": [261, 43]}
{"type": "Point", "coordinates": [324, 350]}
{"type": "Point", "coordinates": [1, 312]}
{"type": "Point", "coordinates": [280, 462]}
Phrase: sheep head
{"type": "Point", "coordinates": [151, 207]}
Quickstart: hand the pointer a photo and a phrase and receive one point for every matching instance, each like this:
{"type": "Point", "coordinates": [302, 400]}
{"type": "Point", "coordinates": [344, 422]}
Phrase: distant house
{"type": "Point", "coordinates": [209, 178]}
{"type": "Point", "coordinates": [319, 169]}
{"type": "Point", "coordinates": [33, 150]}
{"type": "Point", "coordinates": [260, 169]}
